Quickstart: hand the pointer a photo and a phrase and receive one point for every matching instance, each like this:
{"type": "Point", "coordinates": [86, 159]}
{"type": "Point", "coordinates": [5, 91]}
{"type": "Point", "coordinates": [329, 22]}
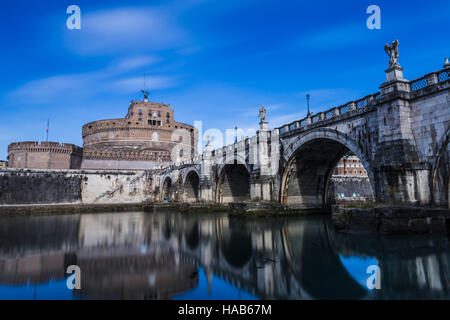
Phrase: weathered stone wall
{"type": "Point", "coordinates": [21, 186]}
{"type": "Point", "coordinates": [32, 187]}
{"type": "Point", "coordinates": [350, 188]}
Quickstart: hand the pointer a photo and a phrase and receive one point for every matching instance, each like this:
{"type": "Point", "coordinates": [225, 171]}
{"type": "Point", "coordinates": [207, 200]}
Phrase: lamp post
{"type": "Point", "coordinates": [307, 103]}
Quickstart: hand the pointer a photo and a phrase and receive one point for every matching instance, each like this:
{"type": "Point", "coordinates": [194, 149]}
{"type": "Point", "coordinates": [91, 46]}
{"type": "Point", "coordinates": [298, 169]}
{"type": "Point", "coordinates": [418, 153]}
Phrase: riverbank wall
{"type": "Point", "coordinates": [32, 186]}
{"type": "Point", "coordinates": [391, 220]}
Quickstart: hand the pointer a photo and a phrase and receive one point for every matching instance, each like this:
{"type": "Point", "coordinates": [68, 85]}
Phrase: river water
{"type": "Point", "coordinates": [170, 255]}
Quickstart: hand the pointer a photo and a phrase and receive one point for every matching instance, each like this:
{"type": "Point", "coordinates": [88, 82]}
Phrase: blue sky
{"type": "Point", "coordinates": [214, 61]}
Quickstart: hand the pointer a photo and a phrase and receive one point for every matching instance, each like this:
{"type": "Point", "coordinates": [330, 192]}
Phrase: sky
{"type": "Point", "coordinates": [212, 61]}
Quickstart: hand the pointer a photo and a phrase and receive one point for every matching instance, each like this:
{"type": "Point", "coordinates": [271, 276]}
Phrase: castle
{"type": "Point", "coordinates": [148, 137]}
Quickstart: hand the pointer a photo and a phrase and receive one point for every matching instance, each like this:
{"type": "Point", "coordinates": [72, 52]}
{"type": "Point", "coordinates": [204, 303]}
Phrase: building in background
{"type": "Point", "coordinates": [3, 164]}
{"type": "Point", "coordinates": [350, 181]}
{"type": "Point", "coordinates": [350, 165]}
{"type": "Point", "coordinates": [148, 137]}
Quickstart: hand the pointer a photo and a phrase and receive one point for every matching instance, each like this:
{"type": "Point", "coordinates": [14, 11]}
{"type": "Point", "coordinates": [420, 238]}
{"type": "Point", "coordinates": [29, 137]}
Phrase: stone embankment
{"type": "Point", "coordinates": [392, 220]}
{"type": "Point", "coordinates": [70, 208]}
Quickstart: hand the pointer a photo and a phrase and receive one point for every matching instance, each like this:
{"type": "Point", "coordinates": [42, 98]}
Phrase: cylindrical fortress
{"type": "Point", "coordinates": [148, 137]}
{"type": "Point", "coordinates": [44, 155]}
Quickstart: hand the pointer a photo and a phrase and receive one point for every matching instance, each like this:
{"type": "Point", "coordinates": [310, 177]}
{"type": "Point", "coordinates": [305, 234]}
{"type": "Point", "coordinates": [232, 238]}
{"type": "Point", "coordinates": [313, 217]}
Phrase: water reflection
{"type": "Point", "coordinates": [167, 255]}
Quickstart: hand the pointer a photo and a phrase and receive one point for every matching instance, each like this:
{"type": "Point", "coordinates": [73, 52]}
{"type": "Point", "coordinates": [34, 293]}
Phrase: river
{"type": "Point", "coordinates": [171, 255]}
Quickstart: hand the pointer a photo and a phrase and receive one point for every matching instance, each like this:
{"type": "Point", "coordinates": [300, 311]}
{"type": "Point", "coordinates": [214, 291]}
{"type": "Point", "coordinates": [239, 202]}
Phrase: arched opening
{"type": "Point", "coordinates": [233, 184]}
{"type": "Point", "coordinates": [167, 189]}
{"type": "Point", "coordinates": [235, 243]}
{"type": "Point", "coordinates": [350, 181]}
{"type": "Point", "coordinates": [192, 187]}
{"type": "Point", "coordinates": [441, 176]}
{"type": "Point", "coordinates": [192, 234]}
{"type": "Point", "coordinates": [307, 176]}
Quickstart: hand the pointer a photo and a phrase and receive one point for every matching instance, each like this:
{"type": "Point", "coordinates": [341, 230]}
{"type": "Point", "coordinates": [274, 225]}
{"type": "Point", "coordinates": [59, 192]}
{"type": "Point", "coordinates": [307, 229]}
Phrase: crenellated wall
{"type": "Point", "coordinates": [44, 155]}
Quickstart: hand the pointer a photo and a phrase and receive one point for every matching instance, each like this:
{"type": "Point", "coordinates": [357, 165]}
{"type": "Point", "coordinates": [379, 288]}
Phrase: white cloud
{"type": "Point", "coordinates": [113, 78]}
{"type": "Point", "coordinates": [135, 84]}
{"type": "Point", "coordinates": [126, 29]}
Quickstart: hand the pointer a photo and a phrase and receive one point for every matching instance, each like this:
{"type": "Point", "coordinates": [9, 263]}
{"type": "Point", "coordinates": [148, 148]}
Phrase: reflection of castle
{"type": "Point", "coordinates": [154, 256]}
{"type": "Point", "coordinates": [146, 138]}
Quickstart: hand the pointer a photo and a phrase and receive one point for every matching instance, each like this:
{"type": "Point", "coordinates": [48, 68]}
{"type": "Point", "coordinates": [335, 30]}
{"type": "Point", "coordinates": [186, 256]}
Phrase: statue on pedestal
{"type": "Point", "coordinates": [145, 93]}
{"type": "Point", "coordinates": [392, 52]}
{"type": "Point", "coordinates": [262, 113]}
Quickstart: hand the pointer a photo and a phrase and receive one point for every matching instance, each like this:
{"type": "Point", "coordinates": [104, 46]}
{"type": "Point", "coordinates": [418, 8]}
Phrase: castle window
{"type": "Point", "coordinates": [140, 118]}
{"type": "Point", "coordinates": [159, 122]}
{"type": "Point", "coordinates": [140, 112]}
{"type": "Point", "coordinates": [149, 122]}
{"type": "Point", "coordinates": [159, 114]}
{"type": "Point", "coordinates": [167, 120]}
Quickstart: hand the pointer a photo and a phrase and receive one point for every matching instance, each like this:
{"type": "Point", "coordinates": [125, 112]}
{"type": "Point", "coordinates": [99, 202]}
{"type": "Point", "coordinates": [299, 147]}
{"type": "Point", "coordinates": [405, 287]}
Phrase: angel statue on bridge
{"type": "Point", "coordinates": [392, 52]}
{"type": "Point", "coordinates": [262, 113]}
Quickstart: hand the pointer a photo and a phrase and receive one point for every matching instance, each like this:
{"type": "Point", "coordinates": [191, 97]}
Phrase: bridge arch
{"type": "Point", "coordinates": [166, 188]}
{"type": "Point", "coordinates": [310, 160]}
{"type": "Point", "coordinates": [233, 182]}
{"type": "Point", "coordinates": [235, 243]}
{"type": "Point", "coordinates": [191, 185]}
{"type": "Point", "coordinates": [441, 173]}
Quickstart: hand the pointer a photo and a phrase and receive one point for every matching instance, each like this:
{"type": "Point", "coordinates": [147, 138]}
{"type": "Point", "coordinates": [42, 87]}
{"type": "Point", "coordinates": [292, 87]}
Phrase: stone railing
{"type": "Point", "coordinates": [430, 79]}
{"type": "Point", "coordinates": [369, 100]}
{"type": "Point", "coordinates": [363, 103]}
{"type": "Point", "coordinates": [331, 113]}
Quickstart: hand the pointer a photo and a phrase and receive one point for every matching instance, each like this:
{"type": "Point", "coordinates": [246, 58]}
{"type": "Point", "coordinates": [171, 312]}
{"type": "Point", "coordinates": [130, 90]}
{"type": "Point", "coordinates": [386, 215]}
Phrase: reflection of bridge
{"type": "Point", "coordinates": [140, 255]}
{"type": "Point", "coordinates": [400, 134]}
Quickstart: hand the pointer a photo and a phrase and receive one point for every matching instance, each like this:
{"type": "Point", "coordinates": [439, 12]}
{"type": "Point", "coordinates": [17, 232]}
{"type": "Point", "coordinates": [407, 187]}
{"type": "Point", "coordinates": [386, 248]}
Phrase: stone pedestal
{"type": "Point", "coordinates": [259, 186]}
{"type": "Point", "coordinates": [394, 73]}
{"type": "Point", "coordinates": [399, 174]}
{"type": "Point", "coordinates": [206, 193]}
{"type": "Point", "coordinates": [395, 83]}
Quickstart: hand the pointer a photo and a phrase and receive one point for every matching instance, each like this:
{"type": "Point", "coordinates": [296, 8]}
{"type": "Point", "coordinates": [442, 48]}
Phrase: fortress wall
{"type": "Point", "coordinates": [28, 186]}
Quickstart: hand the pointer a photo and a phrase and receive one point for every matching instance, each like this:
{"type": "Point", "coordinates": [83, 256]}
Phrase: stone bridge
{"type": "Point", "coordinates": [400, 134]}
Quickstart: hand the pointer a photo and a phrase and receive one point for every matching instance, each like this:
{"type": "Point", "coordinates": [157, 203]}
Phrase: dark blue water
{"type": "Point", "coordinates": [168, 255]}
